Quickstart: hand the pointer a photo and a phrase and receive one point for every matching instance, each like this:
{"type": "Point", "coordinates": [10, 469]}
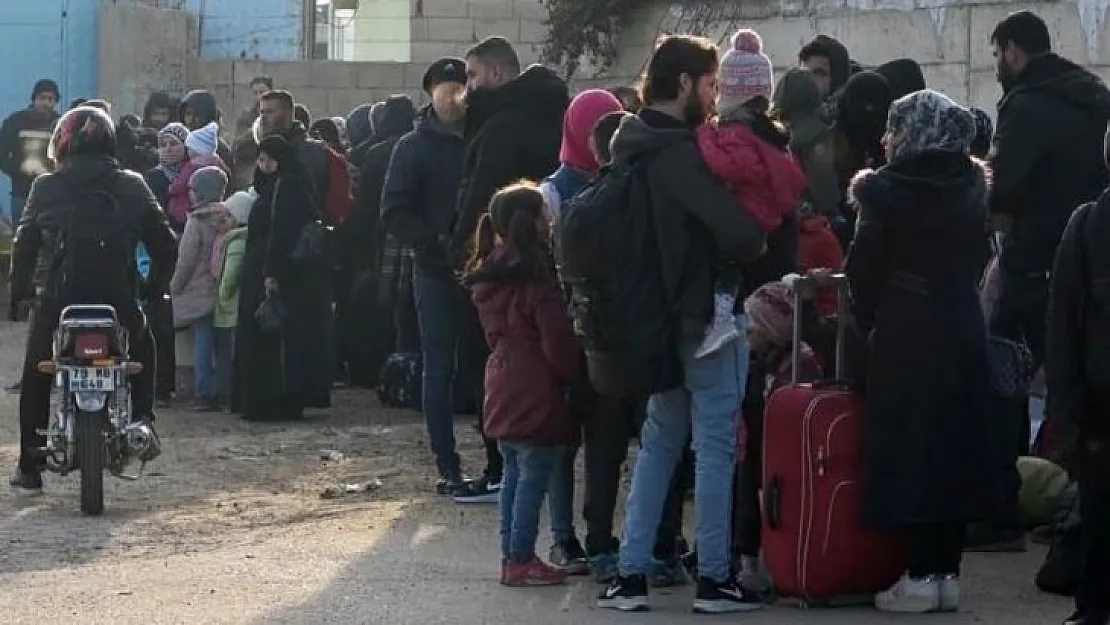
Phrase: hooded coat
{"type": "Point", "coordinates": [204, 105]}
{"type": "Point", "coordinates": [513, 131]}
{"type": "Point", "coordinates": [1047, 157]}
{"type": "Point", "coordinates": [927, 433]}
{"type": "Point", "coordinates": [397, 121]}
{"type": "Point", "coordinates": [534, 354]}
{"type": "Point", "coordinates": [705, 228]}
{"type": "Point", "coordinates": [418, 202]}
{"type": "Point", "coordinates": [797, 103]}
{"type": "Point", "coordinates": [193, 287]}
{"type": "Point", "coordinates": [841, 68]}
{"type": "Point", "coordinates": [158, 101]}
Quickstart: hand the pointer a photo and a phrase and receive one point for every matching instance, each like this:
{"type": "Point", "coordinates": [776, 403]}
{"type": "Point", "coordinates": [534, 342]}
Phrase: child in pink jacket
{"type": "Point", "coordinates": [200, 146]}
{"type": "Point", "coordinates": [748, 152]}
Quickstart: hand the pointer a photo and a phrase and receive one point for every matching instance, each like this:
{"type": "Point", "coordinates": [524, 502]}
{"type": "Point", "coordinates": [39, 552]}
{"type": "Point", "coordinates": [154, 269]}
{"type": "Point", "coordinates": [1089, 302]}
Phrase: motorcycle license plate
{"type": "Point", "coordinates": [92, 379]}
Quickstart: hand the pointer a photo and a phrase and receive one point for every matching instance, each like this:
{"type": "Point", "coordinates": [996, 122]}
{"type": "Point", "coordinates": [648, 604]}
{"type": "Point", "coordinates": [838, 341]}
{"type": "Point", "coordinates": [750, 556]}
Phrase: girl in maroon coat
{"type": "Point", "coordinates": [534, 359]}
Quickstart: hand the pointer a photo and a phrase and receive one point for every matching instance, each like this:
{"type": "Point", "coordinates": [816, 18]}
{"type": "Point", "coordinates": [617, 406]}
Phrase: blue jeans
{"type": "Point", "coordinates": [204, 345]}
{"type": "Point", "coordinates": [225, 352]}
{"type": "Point", "coordinates": [437, 310]}
{"type": "Point", "coordinates": [709, 404]}
{"type": "Point", "coordinates": [560, 499]}
{"type": "Point", "coordinates": [527, 474]}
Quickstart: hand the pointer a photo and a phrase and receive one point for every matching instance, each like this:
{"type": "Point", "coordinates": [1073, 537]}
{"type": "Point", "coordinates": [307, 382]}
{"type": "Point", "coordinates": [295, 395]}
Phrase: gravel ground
{"type": "Point", "coordinates": [230, 526]}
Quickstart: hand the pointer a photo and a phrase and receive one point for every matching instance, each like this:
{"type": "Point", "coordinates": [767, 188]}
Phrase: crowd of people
{"type": "Point", "coordinates": [306, 252]}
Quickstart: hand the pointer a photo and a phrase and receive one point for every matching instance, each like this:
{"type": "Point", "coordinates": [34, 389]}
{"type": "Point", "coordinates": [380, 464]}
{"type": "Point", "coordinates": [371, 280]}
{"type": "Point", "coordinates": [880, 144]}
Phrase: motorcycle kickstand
{"type": "Point", "coordinates": [132, 478]}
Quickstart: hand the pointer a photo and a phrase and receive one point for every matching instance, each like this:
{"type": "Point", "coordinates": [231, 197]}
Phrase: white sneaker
{"type": "Point", "coordinates": [910, 596]}
{"type": "Point", "coordinates": [949, 589]}
{"type": "Point", "coordinates": [722, 330]}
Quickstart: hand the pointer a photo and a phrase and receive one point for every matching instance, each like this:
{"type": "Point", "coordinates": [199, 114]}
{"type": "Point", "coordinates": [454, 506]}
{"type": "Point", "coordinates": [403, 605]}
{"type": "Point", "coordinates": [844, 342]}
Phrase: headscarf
{"type": "Point", "coordinates": [928, 121]}
{"type": "Point", "coordinates": [179, 133]}
{"type": "Point", "coordinates": [578, 124]}
{"type": "Point", "coordinates": [770, 310]}
{"type": "Point", "coordinates": [862, 110]}
{"type": "Point", "coordinates": [84, 130]}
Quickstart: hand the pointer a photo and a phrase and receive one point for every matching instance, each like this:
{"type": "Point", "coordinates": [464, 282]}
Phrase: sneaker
{"type": "Point", "coordinates": [570, 556]}
{"type": "Point", "coordinates": [989, 539]}
{"type": "Point", "coordinates": [667, 573]}
{"type": "Point", "coordinates": [535, 572]}
{"type": "Point", "coordinates": [450, 485]}
{"type": "Point", "coordinates": [478, 491]}
{"type": "Point", "coordinates": [724, 597]}
{"type": "Point", "coordinates": [949, 589]}
{"type": "Point", "coordinates": [28, 483]}
{"type": "Point", "coordinates": [627, 594]}
{"type": "Point", "coordinates": [604, 567]}
{"type": "Point", "coordinates": [910, 596]}
{"type": "Point", "coordinates": [722, 330]}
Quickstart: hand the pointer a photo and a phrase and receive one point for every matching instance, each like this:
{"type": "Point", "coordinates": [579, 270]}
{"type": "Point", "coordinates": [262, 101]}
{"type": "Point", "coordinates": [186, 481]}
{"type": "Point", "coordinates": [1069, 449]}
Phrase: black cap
{"type": "Point", "coordinates": [444, 70]}
{"type": "Point", "coordinates": [46, 86]}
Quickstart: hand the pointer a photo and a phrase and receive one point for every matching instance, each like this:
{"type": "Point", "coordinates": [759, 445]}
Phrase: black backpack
{"type": "Point", "coordinates": [93, 260]}
{"type": "Point", "coordinates": [609, 255]}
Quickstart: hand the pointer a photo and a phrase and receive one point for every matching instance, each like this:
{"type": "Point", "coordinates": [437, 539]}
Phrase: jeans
{"type": "Point", "coordinates": [527, 473]}
{"type": "Point", "coordinates": [607, 433]}
{"type": "Point", "coordinates": [708, 404]}
{"type": "Point", "coordinates": [560, 499]}
{"type": "Point", "coordinates": [204, 346]}
{"type": "Point", "coordinates": [1094, 586]}
{"type": "Point", "coordinates": [225, 356]}
{"type": "Point", "coordinates": [437, 310]}
{"type": "Point", "coordinates": [454, 350]}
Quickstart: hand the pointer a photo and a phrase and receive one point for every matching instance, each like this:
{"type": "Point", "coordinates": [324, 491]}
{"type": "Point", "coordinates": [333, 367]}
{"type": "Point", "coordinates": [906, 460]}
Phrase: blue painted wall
{"type": "Point", "coordinates": [46, 39]}
{"type": "Point", "coordinates": [263, 29]}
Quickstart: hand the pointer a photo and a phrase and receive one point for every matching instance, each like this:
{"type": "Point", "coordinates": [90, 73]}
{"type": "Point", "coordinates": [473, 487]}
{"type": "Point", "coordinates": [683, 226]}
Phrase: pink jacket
{"type": "Point", "coordinates": [179, 188]}
{"type": "Point", "coordinates": [766, 181]}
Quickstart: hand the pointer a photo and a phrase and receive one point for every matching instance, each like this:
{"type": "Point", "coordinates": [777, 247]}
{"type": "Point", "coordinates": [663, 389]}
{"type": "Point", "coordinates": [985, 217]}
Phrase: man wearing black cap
{"type": "Point", "coordinates": [418, 208]}
{"type": "Point", "coordinates": [24, 138]}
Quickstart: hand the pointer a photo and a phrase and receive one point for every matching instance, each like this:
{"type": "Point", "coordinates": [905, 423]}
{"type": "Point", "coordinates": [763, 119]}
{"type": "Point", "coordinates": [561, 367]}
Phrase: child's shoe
{"type": "Point", "coordinates": [722, 330]}
{"type": "Point", "coordinates": [534, 572]}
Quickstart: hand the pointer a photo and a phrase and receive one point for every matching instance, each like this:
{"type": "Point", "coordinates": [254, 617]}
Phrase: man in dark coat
{"type": "Point", "coordinates": [1046, 161]}
{"type": "Point", "coordinates": [199, 108]}
{"type": "Point", "coordinates": [23, 141]}
{"type": "Point", "coordinates": [514, 128]}
{"type": "Point", "coordinates": [831, 65]}
{"type": "Point", "coordinates": [158, 111]}
{"type": "Point", "coordinates": [84, 146]}
{"type": "Point", "coordinates": [417, 209]}
{"type": "Point", "coordinates": [1077, 366]}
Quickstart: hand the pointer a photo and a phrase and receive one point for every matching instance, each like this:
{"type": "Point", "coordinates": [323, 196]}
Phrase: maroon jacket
{"type": "Point", "coordinates": [534, 354]}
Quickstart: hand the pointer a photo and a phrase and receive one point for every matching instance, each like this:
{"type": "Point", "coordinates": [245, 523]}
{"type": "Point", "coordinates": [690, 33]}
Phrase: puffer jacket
{"type": "Point", "coordinates": [193, 287]}
{"type": "Point", "coordinates": [534, 355]}
{"type": "Point", "coordinates": [227, 299]}
{"type": "Point", "coordinates": [178, 209]}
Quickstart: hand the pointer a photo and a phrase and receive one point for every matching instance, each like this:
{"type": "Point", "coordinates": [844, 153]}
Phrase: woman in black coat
{"type": "Point", "coordinates": [281, 372]}
{"type": "Point", "coordinates": [921, 240]}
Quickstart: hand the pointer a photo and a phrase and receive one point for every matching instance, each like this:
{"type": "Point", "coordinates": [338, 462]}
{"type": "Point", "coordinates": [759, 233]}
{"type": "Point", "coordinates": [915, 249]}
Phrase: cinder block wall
{"type": "Point", "coordinates": [448, 27]}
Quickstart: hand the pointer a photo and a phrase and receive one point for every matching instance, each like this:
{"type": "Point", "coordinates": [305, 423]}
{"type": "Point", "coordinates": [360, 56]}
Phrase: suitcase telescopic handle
{"type": "Point", "coordinates": [806, 287]}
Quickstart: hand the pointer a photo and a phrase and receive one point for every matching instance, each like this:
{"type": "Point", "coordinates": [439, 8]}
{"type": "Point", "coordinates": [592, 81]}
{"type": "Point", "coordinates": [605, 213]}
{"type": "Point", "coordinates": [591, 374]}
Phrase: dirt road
{"type": "Point", "coordinates": [229, 527]}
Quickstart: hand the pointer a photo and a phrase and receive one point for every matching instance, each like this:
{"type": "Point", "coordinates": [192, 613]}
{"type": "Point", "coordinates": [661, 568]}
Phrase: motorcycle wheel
{"type": "Point", "coordinates": [90, 457]}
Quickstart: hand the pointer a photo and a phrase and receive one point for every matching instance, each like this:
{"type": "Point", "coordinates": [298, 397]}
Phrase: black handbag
{"type": "Point", "coordinates": [1011, 367]}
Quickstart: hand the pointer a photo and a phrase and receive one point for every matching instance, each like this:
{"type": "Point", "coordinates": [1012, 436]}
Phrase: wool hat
{"type": "Point", "coordinates": [770, 310]}
{"type": "Point", "coordinates": [177, 130]}
{"type": "Point", "coordinates": [746, 72]}
{"type": "Point", "coordinates": [240, 204]}
{"type": "Point", "coordinates": [208, 184]}
{"type": "Point", "coordinates": [204, 140]}
{"type": "Point", "coordinates": [447, 69]}
{"type": "Point", "coordinates": [45, 85]}
{"type": "Point", "coordinates": [578, 124]}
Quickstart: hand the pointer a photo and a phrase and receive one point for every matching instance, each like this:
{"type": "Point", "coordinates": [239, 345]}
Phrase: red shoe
{"type": "Point", "coordinates": [535, 572]}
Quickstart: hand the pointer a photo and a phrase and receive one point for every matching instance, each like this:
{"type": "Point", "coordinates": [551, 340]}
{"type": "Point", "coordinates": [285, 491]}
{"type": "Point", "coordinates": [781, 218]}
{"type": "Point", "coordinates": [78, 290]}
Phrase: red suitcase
{"type": "Point", "coordinates": [814, 544]}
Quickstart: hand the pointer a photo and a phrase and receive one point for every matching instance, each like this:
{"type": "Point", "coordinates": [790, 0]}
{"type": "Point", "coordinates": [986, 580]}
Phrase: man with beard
{"type": "Point", "coordinates": [705, 232]}
{"type": "Point", "coordinates": [1047, 159]}
{"type": "Point", "coordinates": [276, 117]}
{"type": "Point", "coordinates": [24, 138]}
{"type": "Point", "coordinates": [513, 130]}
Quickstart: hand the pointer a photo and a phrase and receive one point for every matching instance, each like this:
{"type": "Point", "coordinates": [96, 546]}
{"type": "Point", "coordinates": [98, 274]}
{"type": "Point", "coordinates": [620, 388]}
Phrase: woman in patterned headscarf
{"type": "Point", "coordinates": [921, 241]}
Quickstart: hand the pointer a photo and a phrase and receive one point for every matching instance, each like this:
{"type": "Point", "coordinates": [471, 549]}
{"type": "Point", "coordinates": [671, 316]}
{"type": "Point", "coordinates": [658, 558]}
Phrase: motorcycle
{"type": "Point", "coordinates": [92, 430]}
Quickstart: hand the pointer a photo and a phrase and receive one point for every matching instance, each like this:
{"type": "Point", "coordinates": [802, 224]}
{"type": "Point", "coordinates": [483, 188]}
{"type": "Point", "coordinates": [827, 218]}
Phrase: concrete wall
{"type": "Point", "coordinates": [948, 37]}
{"type": "Point", "coordinates": [249, 29]}
{"type": "Point", "coordinates": [448, 27]}
{"type": "Point", "coordinates": [143, 50]}
{"type": "Point", "coordinates": [325, 87]}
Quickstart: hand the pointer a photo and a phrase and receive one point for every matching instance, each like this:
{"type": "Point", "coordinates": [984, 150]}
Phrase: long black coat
{"type": "Point", "coordinates": [913, 268]}
{"type": "Point", "coordinates": [279, 373]}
